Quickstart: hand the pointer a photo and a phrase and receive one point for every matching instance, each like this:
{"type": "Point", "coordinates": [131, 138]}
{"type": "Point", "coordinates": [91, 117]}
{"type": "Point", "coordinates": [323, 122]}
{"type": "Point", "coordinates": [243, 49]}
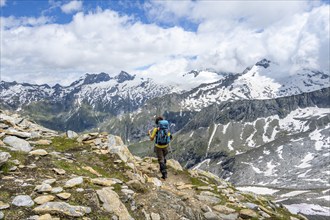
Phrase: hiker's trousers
{"type": "Point", "coordinates": [161, 154]}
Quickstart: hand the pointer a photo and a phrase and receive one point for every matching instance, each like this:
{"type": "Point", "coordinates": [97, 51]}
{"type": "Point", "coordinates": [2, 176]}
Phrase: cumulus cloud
{"type": "Point", "coordinates": [295, 35]}
{"type": "Point", "coordinates": [2, 3]}
{"type": "Point", "coordinates": [72, 6]}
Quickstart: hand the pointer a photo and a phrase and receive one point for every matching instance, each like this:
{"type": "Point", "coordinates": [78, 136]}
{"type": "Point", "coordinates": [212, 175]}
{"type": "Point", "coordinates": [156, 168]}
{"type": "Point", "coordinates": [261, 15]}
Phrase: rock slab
{"type": "Point", "coordinates": [64, 208]}
{"type": "Point", "coordinates": [17, 143]}
{"type": "Point", "coordinates": [112, 203]}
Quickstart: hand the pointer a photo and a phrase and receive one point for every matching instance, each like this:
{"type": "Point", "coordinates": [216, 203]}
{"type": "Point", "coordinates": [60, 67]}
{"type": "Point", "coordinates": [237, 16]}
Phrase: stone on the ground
{"type": "Point", "coordinates": [223, 209]}
{"type": "Point", "coordinates": [155, 216]}
{"type": "Point", "coordinates": [59, 171]}
{"type": "Point", "coordinates": [74, 182]}
{"type": "Point", "coordinates": [155, 181]}
{"type": "Point", "coordinates": [19, 134]}
{"type": "Point", "coordinates": [211, 216]}
{"type": "Point", "coordinates": [63, 195]}
{"type": "Point", "coordinates": [1, 215]}
{"type": "Point", "coordinates": [57, 190]}
{"type": "Point", "coordinates": [43, 199]}
{"type": "Point", "coordinates": [90, 169]}
{"type": "Point", "coordinates": [4, 205]}
{"type": "Point", "coordinates": [17, 143]}
{"type": "Point", "coordinates": [4, 156]}
{"type": "Point", "coordinates": [43, 142]}
{"type": "Point", "coordinates": [185, 186]}
{"type": "Point", "coordinates": [112, 203]}
{"type": "Point", "coordinates": [248, 214]}
{"type": "Point", "coordinates": [208, 198]}
{"type": "Point", "coordinates": [174, 164]}
{"type": "Point", "coordinates": [43, 188]}
{"type": "Point", "coordinates": [49, 181]}
{"type": "Point", "coordinates": [103, 181]}
{"type": "Point", "coordinates": [45, 217]}
{"type": "Point", "coordinates": [39, 152]}
{"type": "Point", "coordinates": [23, 200]}
{"type": "Point", "coordinates": [62, 208]}
{"type": "Point", "coordinates": [71, 134]}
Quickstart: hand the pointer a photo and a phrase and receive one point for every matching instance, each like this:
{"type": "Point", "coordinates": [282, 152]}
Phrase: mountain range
{"type": "Point", "coordinates": [255, 128]}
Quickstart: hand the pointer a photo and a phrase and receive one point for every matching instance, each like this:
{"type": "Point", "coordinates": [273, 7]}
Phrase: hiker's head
{"type": "Point", "coordinates": [159, 118]}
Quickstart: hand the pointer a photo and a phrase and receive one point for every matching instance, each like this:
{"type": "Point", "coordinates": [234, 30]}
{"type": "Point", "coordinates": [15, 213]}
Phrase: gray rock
{"type": "Point", "coordinates": [43, 188]}
{"type": "Point", "coordinates": [4, 156]}
{"type": "Point", "coordinates": [57, 190]}
{"type": "Point", "coordinates": [17, 143]}
{"type": "Point", "coordinates": [112, 203]}
{"type": "Point", "coordinates": [23, 200]}
{"type": "Point", "coordinates": [155, 216]}
{"type": "Point", "coordinates": [233, 216]}
{"type": "Point", "coordinates": [211, 216]}
{"type": "Point", "coordinates": [19, 134]}
{"type": "Point", "coordinates": [71, 134]}
{"type": "Point", "coordinates": [74, 182]}
{"type": "Point", "coordinates": [1, 215]}
{"type": "Point", "coordinates": [63, 208]}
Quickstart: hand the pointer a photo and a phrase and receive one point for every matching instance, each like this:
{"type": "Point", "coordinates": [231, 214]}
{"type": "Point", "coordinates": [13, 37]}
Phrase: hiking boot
{"type": "Point", "coordinates": [164, 176]}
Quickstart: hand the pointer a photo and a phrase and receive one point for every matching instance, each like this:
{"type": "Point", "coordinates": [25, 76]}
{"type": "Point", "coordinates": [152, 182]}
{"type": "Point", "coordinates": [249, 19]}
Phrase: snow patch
{"type": "Point", "coordinates": [294, 193]}
{"type": "Point", "coordinates": [308, 209]}
{"type": "Point", "coordinates": [309, 157]}
{"type": "Point", "coordinates": [257, 190]}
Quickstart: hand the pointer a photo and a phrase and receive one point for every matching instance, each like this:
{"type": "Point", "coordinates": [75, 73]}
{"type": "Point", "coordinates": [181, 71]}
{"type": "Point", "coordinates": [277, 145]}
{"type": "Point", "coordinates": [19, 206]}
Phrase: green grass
{"type": "Point", "coordinates": [63, 144]}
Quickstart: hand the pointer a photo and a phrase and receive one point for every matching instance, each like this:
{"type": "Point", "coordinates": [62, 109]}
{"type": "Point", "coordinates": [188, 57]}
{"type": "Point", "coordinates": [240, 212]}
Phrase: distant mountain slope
{"type": "Point", "coordinates": [84, 103]}
{"type": "Point", "coordinates": [268, 139]}
{"type": "Point", "coordinates": [257, 82]}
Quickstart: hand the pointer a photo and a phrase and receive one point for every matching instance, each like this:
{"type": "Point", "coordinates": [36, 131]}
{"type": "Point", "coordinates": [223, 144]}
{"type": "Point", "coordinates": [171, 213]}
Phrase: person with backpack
{"type": "Point", "coordinates": [162, 136]}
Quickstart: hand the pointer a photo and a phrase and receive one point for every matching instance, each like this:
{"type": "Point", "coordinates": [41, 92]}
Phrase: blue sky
{"type": "Point", "coordinates": [44, 40]}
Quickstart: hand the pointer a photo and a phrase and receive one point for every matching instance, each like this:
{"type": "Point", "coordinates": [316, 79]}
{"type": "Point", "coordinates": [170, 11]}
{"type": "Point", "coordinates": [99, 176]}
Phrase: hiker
{"type": "Point", "coordinates": [162, 137]}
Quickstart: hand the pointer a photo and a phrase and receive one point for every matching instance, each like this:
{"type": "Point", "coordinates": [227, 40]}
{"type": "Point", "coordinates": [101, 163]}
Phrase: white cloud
{"type": "Point", "coordinates": [35, 50]}
{"type": "Point", "coordinates": [2, 3]}
{"type": "Point", "coordinates": [72, 6]}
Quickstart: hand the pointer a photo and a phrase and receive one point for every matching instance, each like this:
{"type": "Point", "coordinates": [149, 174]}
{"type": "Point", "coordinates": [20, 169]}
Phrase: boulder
{"type": "Point", "coordinates": [17, 143]}
{"type": "Point", "coordinates": [116, 146]}
{"type": "Point", "coordinates": [71, 134]}
{"type": "Point", "coordinates": [112, 203]}
{"type": "Point", "coordinates": [62, 208]}
{"type": "Point", "coordinates": [23, 200]}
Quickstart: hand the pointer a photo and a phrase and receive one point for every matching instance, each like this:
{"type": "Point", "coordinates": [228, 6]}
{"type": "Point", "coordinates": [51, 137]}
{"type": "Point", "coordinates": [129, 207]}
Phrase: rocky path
{"type": "Point", "coordinates": [45, 175]}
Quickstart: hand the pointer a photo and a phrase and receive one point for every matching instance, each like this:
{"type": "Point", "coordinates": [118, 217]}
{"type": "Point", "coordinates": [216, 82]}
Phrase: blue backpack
{"type": "Point", "coordinates": [163, 133]}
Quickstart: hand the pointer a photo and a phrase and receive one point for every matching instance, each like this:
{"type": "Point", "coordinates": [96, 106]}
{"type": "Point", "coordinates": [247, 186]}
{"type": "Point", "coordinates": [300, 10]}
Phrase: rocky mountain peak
{"type": "Point", "coordinates": [96, 78]}
{"type": "Point", "coordinates": [124, 76]}
{"type": "Point", "coordinates": [264, 63]}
